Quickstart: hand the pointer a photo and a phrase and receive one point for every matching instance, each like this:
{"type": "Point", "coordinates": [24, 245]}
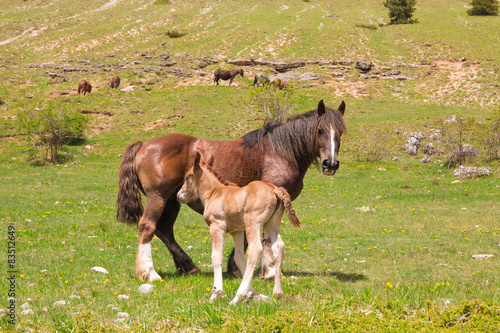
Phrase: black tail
{"type": "Point", "coordinates": [129, 201]}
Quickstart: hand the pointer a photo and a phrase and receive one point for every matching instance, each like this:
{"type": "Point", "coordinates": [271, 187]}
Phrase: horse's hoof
{"type": "Point", "coordinates": [148, 276]}
{"type": "Point", "coordinates": [260, 298]}
{"type": "Point", "coordinates": [193, 271]}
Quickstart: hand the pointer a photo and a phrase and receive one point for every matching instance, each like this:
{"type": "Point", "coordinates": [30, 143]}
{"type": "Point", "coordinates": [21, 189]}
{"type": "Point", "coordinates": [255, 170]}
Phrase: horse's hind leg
{"type": "Point", "coordinates": [144, 269]}
{"type": "Point", "coordinates": [165, 231]}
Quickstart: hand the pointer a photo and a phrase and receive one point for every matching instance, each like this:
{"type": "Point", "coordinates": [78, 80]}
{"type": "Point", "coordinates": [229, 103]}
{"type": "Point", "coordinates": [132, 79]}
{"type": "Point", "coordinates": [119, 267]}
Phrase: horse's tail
{"type": "Point", "coordinates": [283, 195]}
{"type": "Point", "coordinates": [129, 201]}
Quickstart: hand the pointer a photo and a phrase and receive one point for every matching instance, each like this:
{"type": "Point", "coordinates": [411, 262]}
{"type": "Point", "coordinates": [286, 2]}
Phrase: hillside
{"type": "Point", "coordinates": [387, 244]}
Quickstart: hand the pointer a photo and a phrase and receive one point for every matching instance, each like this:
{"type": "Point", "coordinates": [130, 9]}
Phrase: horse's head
{"type": "Point", "coordinates": [241, 72]}
{"type": "Point", "coordinates": [327, 143]}
{"type": "Point", "coordinates": [190, 189]}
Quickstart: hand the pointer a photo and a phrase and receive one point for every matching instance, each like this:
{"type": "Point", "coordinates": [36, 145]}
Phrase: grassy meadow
{"type": "Point", "coordinates": [385, 245]}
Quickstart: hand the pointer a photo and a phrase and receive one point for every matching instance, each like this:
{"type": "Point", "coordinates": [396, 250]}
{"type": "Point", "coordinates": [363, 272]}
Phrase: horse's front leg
{"type": "Point", "coordinates": [144, 269]}
{"type": "Point", "coordinates": [165, 231]}
{"type": "Point", "coordinates": [217, 233]}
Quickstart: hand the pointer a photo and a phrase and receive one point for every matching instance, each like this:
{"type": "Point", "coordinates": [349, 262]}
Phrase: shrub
{"type": "Point", "coordinates": [484, 7]}
{"type": "Point", "coordinates": [454, 135]}
{"type": "Point", "coordinates": [274, 103]}
{"type": "Point", "coordinates": [52, 126]}
{"type": "Point", "coordinates": [366, 26]}
{"type": "Point", "coordinates": [375, 144]}
{"type": "Point", "coordinates": [491, 139]}
{"type": "Point", "coordinates": [174, 33]}
{"type": "Point", "coordinates": [401, 11]}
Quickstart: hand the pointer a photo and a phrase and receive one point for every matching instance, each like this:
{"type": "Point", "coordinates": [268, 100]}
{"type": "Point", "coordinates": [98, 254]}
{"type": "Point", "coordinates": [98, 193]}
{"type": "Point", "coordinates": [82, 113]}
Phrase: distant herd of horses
{"type": "Point", "coordinates": [85, 87]}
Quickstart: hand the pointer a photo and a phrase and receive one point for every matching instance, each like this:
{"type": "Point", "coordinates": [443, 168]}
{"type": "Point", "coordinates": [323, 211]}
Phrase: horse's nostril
{"type": "Point", "coordinates": [324, 164]}
{"type": "Point", "coordinates": [336, 165]}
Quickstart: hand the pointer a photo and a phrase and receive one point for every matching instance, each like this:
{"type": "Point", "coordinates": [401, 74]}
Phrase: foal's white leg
{"type": "Point", "coordinates": [245, 289]}
{"type": "Point", "coordinates": [217, 234]}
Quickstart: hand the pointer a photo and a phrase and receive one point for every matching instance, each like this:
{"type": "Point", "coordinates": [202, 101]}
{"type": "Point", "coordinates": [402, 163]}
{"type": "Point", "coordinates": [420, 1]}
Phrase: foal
{"type": "Point", "coordinates": [232, 209]}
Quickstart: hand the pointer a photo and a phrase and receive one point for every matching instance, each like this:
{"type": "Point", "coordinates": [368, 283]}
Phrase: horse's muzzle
{"type": "Point", "coordinates": [329, 168]}
{"type": "Point", "coordinates": [181, 197]}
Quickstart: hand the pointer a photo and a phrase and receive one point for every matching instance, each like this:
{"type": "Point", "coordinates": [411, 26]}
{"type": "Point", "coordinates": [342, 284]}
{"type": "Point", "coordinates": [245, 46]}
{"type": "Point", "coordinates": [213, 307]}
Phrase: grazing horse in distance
{"type": "Point", "coordinates": [260, 78]}
{"type": "Point", "coordinates": [230, 209]}
{"type": "Point", "coordinates": [281, 84]}
{"type": "Point", "coordinates": [279, 153]}
{"type": "Point", "coordinates": [84, 87]}
{"type": "Point", "coordinates": [115, 82]}
{"type": "Point", "coordinates": [227, 74]}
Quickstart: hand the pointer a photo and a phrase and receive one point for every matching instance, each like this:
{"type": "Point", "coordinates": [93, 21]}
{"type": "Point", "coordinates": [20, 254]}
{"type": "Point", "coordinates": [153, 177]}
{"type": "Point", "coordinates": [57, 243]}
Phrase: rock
{"type": "Point", "coordinates": [146, 288]}
{"type": "Point", "coordinates": [413, 142]}
{"type": "Point", "coordinates": [123, 315]}
{"type": "Point", "coordinates": [426, 159]}
{"type": "Point", "coordinates": [428, 149]}
{"type": "Point", "coordinates": [470, 172]}
{"type": "Point", "coordinates": [99, 270]}
{"type": "Point", "coordinates": [482, 256]}
{"type": "Point", "coordinates": [363, 65]}
{"type": "Point", "coordinates": [240, 62]}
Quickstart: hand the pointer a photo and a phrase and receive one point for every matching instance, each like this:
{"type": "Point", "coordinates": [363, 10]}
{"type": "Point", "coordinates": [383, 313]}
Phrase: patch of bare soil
{"type": "Point", "coordinates": [356, 89]}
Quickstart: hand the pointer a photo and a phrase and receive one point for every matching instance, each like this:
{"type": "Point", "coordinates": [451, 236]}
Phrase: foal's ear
{"type": "Point", "coordinates": [321, 108]}
{"type": "Point", "coordinates": [210, 161]}
{"type": "Point", "coordinates": [342, 108]}
{"type": "Point", "coordinates": [197, 160]}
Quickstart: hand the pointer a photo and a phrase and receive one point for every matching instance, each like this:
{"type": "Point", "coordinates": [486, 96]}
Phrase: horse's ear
{"type": "Point", "coordinates": [197, 160]}
{"type": "Point", "coordinates": [321, 108]}
{"type": "Point", "coordinates": [342, 108]}
{"type": "Point", "coordinates": [210, 161]}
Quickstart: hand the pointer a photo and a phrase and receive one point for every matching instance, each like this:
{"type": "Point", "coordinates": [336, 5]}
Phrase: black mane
{"type": "Point", "coordinates": [294, 138]}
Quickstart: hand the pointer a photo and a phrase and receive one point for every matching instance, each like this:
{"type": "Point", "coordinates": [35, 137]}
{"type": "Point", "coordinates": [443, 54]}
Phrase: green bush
{"type": "Point", "coordinates": [375, 144]}
{"type": "Point", "coordinates": [484, 7]}
{"type": "Point", "coordinates": [366, 26]}
{"type": "Point", "coordinates": [401, 11]}
{"type": "Point", "coordinates": [174, 33]}
{"type": "Point", "coordinates": [274, 103]}
{"type": "Point", "coordinates": [51, 126]}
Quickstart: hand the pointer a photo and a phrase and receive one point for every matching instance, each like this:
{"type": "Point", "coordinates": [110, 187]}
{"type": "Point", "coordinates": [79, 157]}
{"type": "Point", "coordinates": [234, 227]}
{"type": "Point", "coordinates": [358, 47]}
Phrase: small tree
{"type": "Point", "coordinates": [484, 7]}
{"type": "Point", "coordinates": [274, 103]}
{"type": "Point", "coordinates": [401, 11]}
{"type": "Point", "coordinates": [52, 126]}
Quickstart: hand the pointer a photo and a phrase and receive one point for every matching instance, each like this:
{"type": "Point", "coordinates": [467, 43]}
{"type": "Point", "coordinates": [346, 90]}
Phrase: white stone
{"type": "Point", "coordinates": [99, 270]}
{"type": "Point", "coordinates": [482, 256]}
{"type": "Point", "coordinates": [146, 288]}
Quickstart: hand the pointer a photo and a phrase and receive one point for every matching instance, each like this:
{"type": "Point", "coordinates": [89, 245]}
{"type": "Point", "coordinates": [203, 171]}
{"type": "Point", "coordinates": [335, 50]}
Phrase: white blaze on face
{"type": "Point", "coordinates": [332, 142]}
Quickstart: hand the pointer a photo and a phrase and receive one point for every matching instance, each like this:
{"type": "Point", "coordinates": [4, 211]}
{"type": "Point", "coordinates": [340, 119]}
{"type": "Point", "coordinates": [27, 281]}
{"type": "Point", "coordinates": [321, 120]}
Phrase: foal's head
{"type": "Point", "coordinates": [327, 143]}
{"type": "Point", "coordinates": [200, 176]}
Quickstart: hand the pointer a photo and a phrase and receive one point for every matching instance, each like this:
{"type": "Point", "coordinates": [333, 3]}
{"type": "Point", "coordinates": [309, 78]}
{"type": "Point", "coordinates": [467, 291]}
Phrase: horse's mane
{"type": "Point", "coordinates": [294, 138]}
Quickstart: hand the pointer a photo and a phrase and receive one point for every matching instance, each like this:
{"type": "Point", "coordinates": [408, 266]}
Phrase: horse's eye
{"type": "Point", "coordinates": [320, 131]}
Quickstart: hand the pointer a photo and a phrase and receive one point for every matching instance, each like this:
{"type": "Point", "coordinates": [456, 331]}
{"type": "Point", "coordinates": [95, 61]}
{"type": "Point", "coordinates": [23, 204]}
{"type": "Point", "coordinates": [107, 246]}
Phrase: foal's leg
{"type": "Point", "coordinates": [165, 232]}
{"type": "Point", "coordinates": [144, 269]}
{"type": "Point", "coordinates": [266, 266]}
{"type": "Point", "coordinates": [272, 228]}
{"type": "Point", "coordinates": [239, 241]}
{"type": "Point", "coordinates": [217, 233]}
{"type": "Point", "coordinates": [245, 289]}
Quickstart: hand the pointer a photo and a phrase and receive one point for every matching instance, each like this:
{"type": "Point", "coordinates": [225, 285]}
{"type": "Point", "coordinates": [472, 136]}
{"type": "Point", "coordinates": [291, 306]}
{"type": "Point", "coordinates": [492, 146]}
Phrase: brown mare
{"type": "Point", "coordinates": [84, 87]}
{"type": "Point", "coordinates": [279, 153]}
{"type": "Point", "coordinates": [281, 84]}
{"type": "Point", "coordinates": [227, 74]}
{"type": "Point", "coordinates": [115, 82]}
{"type": "Point", "coordinates": [239, 211]}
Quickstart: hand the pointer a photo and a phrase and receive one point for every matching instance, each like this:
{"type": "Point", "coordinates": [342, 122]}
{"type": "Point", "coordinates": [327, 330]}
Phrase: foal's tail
{"type": "Point", "coordinates": [283, 195]}
{"type": "Point", "coordinates": [129, 202]}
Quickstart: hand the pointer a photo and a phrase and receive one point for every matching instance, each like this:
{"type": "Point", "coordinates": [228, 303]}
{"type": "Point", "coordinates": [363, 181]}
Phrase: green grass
{"type": "Point", "coordinates": [406, 265]}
